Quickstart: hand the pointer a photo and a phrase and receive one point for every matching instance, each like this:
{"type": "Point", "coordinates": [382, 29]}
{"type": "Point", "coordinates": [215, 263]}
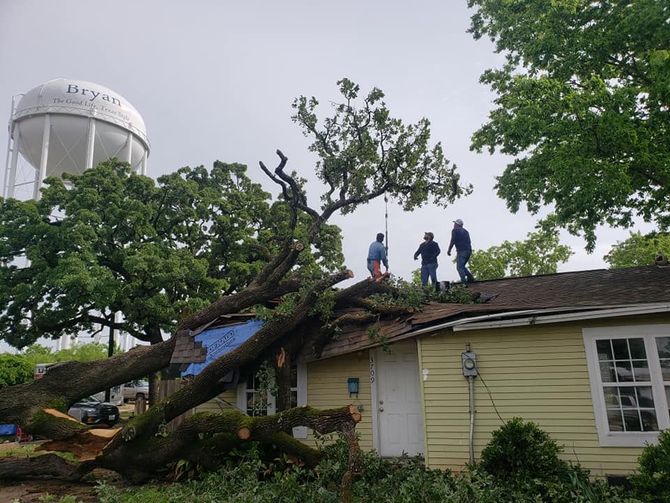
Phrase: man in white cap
{"type": "Point", "coordinates": [460, 238]}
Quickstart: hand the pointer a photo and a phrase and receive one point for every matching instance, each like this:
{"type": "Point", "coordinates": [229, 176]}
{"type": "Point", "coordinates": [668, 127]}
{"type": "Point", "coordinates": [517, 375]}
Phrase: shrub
{"type": "Point", "coordinates": [249, 476]}
{"type": "Point", "coordinates": [652, 483]}
{"type": "Point", "coordinates": [14, 370]}
{"type": "Point", "coordinates": [522, 451]}
{"type": "Point", "coordinates": [523, 462]}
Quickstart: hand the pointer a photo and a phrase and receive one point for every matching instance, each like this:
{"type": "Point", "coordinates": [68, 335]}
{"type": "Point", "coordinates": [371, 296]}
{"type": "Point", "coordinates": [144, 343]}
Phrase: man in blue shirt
{"type": "Point", "coordinates": [429, 250]}
{"type": "Point", "coordinates": [460, 238]}
{"type": "Point", "coordinates": [377, 255]}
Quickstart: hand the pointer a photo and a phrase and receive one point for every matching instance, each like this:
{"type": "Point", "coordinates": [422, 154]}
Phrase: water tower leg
{"type": "Point", "coordinates": [46, 134]}
{"type": "Point", "coordinates": [90, 144]}
{"type": "Point", "coordinates": [64, 342]}
{"type": "Point", "coordinates": [5, 181]}
{"type": "Point", "coordinates": [144, 164]}
{"type": "Point", "coordinates": [12, 128]}
{"type": "Point", "coordinates": [11, 182]}
{"type": "Point", "coordinates": [129, 152]}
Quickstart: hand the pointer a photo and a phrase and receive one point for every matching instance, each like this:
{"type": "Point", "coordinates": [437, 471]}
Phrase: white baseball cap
{"type": "Point", "coordinates": [458, 221]}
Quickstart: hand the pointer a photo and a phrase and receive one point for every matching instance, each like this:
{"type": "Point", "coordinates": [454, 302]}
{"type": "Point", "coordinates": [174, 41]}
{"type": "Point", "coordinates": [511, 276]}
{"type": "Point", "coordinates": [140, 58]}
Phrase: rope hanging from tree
{"type": "Point", "coordinates": [386, 222]}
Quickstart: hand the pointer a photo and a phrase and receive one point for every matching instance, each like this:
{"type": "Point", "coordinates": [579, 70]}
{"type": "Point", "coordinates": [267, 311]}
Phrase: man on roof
{"type": "Point", "coordinates": [377, 256]}
{"type": "Point", "coordinates": [460, 238]}
{"type": "Point", "coordinates": [429, 250]}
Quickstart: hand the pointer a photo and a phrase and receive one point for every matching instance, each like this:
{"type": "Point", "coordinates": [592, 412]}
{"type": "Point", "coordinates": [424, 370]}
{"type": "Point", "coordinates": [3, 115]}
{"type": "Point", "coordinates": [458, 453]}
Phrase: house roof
{"type": "Point", "coordinates": [561, 292]}
{"type": "Point", "coordinates": [635, 285]}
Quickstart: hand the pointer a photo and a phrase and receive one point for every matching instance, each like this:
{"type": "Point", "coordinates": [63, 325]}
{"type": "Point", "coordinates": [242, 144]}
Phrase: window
{"type": "Point", "coordinates": [256, 403]}
{"type": "Point", "coordinates": [629, 371]}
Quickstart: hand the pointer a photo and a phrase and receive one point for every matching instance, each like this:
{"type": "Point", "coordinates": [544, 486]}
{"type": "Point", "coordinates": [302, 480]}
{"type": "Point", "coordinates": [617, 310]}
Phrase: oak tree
{"type": "Point", "coordinates": [540, 253]}
{"type": "Point", "coordinates": [363, 152]}
{"type": "Point", "coordinates": [639, 249]}
{"type": "Point", "coordinates": [583, 107]}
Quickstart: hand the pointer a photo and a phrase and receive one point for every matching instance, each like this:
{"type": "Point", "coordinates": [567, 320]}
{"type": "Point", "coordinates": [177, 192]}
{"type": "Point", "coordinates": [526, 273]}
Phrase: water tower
{"type": "Point", "coordinates": [69, 126]}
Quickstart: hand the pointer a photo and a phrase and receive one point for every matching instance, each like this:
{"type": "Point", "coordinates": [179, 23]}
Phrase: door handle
{"type": "Point", "coordinates": [381, 409]}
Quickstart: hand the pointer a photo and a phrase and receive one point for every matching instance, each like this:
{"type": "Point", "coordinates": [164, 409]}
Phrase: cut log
{"type": "Point", "coordinates": [86, 445]}
{"type": "Point", "coordinates": [215, 432]}
{"type": "Point", "coordinates": [36, 467]}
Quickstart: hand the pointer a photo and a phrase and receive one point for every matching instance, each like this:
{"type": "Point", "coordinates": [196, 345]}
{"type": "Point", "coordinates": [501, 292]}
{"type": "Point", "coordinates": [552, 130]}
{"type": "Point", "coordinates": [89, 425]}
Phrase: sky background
{"type": "Point", "coordinates": [216, 79]}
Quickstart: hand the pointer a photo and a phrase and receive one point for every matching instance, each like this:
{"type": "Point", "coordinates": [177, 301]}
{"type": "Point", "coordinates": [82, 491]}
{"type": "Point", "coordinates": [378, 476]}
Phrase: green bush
{"type": "Point", "coordinates": [523, 463]}
{"type": "Point", "coordinates": [19, 368]}
{"type": "Point", "coordinates": [249, 476]}
{"type": "Point", "coordinates": [522, 451]}
{"type": "Point", "coordinates": [14, 370]}
{"type": "Point", "coordinates": [652, 482]}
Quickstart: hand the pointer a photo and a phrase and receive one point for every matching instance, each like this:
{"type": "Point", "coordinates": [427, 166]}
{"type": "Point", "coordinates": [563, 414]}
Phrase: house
{"type": "Point", "coordinates": [585, 355]}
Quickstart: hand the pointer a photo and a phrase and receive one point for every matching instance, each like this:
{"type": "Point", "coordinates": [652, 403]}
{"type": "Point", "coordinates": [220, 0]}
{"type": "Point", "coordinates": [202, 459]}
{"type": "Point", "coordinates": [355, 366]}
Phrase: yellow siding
{"type": "Point", "coordinates": [537, 372]}
{"type": "Point", "coordinates": [327, 388]}
{"type": "Point", "coordinates": [225, 400]}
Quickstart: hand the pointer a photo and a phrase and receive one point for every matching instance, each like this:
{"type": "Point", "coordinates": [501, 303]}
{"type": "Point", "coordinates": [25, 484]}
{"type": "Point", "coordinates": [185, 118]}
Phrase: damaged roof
{"type": "Point", "coordinates": [564, 292]}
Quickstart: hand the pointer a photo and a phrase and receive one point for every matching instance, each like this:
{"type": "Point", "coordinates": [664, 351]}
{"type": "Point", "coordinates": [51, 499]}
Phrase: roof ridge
{"type": "Point", "coordinates": [562, 273]}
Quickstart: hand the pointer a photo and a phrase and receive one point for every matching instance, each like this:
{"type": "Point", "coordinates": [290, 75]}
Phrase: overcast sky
{"type": "Point", "coordinates": [215, 80]}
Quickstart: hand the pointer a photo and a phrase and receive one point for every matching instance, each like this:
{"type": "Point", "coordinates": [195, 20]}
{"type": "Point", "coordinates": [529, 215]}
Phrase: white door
{"type": "Point", "coordinates": [399, 401]}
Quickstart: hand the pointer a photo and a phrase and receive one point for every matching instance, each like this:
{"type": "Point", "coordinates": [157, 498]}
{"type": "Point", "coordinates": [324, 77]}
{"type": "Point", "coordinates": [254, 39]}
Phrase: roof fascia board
{"type": "Point", "coordinates": [538, 318]}
{"type": "Point", "coordinates": [504, 314]}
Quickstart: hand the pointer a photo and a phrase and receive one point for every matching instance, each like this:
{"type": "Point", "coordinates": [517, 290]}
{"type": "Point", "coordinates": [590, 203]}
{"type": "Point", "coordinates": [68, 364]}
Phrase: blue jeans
{"type": "Point", "coordinates": [429, 270]}
{"type": "Point", "coordinates": [462, 259]}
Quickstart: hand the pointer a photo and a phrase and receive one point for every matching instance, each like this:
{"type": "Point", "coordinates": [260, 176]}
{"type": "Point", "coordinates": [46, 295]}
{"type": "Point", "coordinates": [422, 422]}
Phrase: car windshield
{"type": "Point", "coordinates": [89, 399]}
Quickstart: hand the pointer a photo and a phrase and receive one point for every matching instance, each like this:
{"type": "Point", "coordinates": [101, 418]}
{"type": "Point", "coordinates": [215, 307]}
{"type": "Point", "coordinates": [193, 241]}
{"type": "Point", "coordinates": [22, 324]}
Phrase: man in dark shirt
{"type": "Point", "coordinates": [460, 238]}
{"type": "Point", "coordinates": [429, 250]}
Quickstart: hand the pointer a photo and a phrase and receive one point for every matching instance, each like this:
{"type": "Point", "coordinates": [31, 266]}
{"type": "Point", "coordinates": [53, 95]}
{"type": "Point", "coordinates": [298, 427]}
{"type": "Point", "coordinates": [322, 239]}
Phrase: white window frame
{"type": "Point", "coordinates": [298, 431]}
{"type": "Point", "coordinates": [648, 333]}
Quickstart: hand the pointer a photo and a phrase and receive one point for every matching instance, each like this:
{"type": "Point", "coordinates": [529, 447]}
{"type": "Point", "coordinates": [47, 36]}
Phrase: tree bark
{"type": "Point", "coordinates": [154, 378]}
{"type": "Point", "coordinates": [200, 437]}
{"type": "Point", "coordinates": [45, 466]}
{"type": "Point", "coordinates": [283, 362]}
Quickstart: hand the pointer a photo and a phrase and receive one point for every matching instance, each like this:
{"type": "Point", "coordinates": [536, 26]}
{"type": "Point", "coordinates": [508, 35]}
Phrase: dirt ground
{"type": "Point", "coordinates": [33, 491]}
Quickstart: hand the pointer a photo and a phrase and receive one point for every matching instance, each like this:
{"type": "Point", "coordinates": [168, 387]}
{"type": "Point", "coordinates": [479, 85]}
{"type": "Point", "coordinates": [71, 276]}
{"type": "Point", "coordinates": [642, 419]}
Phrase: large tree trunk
{"type": "Point", "coordinates": [65, 383]}
{"type": "Point", "coordinates": [136, 451]}
{"type": "Point", "coordinates": [208, 383]}
{"type": "Point", "coordinates": [143, 445]}
{"type": "Point", "coordinates": [213, 434]}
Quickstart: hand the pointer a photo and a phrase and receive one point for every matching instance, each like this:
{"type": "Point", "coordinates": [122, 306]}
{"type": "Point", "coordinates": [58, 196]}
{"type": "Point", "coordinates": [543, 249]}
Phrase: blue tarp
{"type": "Point", "coordinates": [7, 430]}
{"type": "Point", "coordinates": [222, 340]}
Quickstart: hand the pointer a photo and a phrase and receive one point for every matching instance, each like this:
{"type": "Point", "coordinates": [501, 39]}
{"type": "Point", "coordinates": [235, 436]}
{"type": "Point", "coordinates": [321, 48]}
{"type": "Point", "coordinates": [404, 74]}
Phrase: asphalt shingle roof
{"type": "Point", "coordinates": [596, 288]}
{"type": "Point", "coordinates": [600, 287]}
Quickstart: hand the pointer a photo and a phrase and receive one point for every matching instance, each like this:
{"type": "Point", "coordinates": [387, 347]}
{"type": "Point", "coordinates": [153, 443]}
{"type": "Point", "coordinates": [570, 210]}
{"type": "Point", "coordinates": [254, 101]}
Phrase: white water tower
{"type": "Point", "coordinates": [69, 126]}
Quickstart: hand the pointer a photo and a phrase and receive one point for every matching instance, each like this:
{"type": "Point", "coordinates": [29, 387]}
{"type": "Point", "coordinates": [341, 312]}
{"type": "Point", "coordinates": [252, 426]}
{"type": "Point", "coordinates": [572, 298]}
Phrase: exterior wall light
{"type": "Point", "coordinates": [352, 386]}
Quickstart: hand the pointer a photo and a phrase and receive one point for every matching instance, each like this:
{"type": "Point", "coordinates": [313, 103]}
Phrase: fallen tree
{"type": "Point", "coordinates": [363, 153]}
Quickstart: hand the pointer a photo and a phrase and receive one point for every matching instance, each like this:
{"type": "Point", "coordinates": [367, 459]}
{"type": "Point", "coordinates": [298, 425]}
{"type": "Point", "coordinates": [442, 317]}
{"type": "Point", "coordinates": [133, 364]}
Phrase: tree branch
{"type": "Point", "coordinates": [202, 388]}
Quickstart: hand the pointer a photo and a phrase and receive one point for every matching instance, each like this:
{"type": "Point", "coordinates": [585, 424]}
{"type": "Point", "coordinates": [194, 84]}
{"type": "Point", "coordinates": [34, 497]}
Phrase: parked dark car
{"type": "Point", "coordinates": [90, 410]}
